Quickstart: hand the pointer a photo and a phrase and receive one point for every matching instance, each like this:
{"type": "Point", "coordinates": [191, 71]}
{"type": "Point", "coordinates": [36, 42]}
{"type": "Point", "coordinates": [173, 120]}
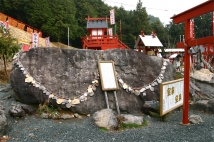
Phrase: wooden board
{"type": "Point", "coordinates": [171, 95]}
{"type": "Point", "coordinates": [108, 75]}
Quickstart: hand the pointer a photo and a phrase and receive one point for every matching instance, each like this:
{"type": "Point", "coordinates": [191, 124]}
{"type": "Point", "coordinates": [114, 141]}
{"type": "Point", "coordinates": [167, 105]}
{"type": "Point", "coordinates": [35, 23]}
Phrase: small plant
{"type": "Point", "coordinates": [103, 129]}
{"type": "Point", "coordinates": [178, 75]}
{"type": "Point", "coordinates": [157, 114]}
{"type": "Point", "coordinates": [46, 109]}
{"type": "Point", "coordinates": [123, 126]}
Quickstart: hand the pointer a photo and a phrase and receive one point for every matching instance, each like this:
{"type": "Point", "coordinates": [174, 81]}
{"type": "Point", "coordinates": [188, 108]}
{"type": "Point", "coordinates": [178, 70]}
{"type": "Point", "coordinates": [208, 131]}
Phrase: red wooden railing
{"type": "Point", "coordinates": [18, 24]}
{"type": "Point", "coordinates": [103, 41]}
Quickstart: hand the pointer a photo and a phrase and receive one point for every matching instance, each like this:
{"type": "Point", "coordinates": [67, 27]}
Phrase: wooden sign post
{"type": "Point", "coordinates": [108, 80]}
{"type": "Point", "coordinates": [171, 95]}
{"type": "Point", "coordinates": [185, 17]}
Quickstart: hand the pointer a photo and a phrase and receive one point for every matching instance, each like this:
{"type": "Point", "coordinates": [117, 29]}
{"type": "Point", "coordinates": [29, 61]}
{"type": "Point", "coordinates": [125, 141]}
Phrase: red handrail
{"type": "Point", "coordinates": [19, 24]}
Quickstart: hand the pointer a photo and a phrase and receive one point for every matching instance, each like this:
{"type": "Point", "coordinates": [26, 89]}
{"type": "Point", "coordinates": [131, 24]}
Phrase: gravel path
{"type": "Point", "coordinates": [35, 129]}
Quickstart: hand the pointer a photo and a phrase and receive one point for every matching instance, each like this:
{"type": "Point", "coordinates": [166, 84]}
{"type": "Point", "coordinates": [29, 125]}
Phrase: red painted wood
{"type": "Point", "coordinates": [20, 24]}
{"type": "Point", "coordinates": [186, 75]}
{"type": "Point", "coordinates": [185, 16]}
{"type": "Point", "coordinates": [101, 42]}
{"type": "Point", "coordinates": [201, 9]}
{"type": "Point", "coordinates": [196, 42]}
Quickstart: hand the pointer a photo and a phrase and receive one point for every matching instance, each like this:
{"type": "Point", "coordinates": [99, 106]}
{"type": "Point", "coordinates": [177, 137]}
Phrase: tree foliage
{"type": "Point", "coordinates": [203, 25]}
{"type": "Point", "coordinates": [8, 46]}
{"type": "Point", "coordinates": [53, 17]}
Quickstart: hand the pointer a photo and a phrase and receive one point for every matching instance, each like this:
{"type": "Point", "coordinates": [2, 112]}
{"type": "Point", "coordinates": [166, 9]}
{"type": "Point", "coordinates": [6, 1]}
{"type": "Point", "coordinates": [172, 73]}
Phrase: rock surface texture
{"type": "Point", "coordinates": [105, 118]}
{"type": "Point", "coordinates": [69, 78]}
{"type": "Point", "coordinates": [202, 89]}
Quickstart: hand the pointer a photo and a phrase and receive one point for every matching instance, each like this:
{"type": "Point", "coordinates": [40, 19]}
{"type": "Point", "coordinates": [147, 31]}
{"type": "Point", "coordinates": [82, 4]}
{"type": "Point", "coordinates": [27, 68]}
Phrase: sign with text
{"type": "Point", "coordinates": [110, 32]}
{"type": "Point", "coordinates": [171, 95]}
{"type": "Point", "coordinates": [112, 17]}
{"type": "Point", "coordinates": [108, 75]}
{"type": "Point", "coordinates": [47, 41]}
{"type": "Point", "coordinates": [35, 40]}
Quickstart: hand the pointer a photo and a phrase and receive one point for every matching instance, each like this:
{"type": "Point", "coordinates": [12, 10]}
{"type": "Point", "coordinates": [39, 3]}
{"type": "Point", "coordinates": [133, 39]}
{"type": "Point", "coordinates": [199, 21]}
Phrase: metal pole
{"type": "Point", "coordinates": [115, 28]}
{"type": "Point", "coordinates": [106, 97]}
{"type": "Point", "coordinates": [120, 30]}
{"type": "Point", "coordinates": [68, 37]}
{"type": "Point", "coordinates": [118, 109]}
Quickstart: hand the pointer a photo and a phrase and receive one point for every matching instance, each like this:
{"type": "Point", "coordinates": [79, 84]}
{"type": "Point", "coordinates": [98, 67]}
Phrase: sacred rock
{"type": "Point", "coordinates": [69, 78]}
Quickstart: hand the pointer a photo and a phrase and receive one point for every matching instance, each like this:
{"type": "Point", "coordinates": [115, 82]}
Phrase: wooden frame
{"type": "Point", "coordinates": [171, 95]}
{"type": "Point", "coordinates": [108, 75]}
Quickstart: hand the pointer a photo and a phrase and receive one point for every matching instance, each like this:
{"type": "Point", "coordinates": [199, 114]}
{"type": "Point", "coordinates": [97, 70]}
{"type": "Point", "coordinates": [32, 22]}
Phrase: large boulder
{"type": "Point", "coordinates": [204, 80]}
{"type": "Point", "coordinates": [69, 78]}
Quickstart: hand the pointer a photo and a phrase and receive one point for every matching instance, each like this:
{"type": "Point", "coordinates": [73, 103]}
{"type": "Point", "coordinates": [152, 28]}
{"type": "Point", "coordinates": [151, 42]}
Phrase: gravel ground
{"type": "Point", "coordinates": [35, 129]}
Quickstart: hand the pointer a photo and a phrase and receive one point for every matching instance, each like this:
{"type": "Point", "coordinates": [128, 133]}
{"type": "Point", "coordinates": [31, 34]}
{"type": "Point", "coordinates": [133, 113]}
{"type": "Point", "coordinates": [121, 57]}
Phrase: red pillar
{"type": "Point", "coordinates": [213, 22]}
{"type": "Point", "coordinates": [186, 75]}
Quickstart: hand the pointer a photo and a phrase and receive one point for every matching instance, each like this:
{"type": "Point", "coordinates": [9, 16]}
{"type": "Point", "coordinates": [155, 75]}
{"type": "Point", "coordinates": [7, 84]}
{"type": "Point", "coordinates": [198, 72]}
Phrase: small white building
{"type": "Point", "coordinates": [148, 44]}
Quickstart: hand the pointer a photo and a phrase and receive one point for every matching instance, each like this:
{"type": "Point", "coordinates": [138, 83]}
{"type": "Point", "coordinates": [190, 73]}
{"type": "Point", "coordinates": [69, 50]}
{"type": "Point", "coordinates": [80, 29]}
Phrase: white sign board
{"type": "Point", "coordinates": [107, 75]}
{"type": "Point", "coordinates": [171, 95]}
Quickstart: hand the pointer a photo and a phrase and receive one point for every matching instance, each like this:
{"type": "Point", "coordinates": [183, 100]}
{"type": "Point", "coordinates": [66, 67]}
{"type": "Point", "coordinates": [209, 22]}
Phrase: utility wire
{"type": "Point", "coordinates": [135, 6]}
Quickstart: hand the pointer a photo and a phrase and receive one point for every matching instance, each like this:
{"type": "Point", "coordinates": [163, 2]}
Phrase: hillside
{"type": "Point", "coordinates": [25, 37]}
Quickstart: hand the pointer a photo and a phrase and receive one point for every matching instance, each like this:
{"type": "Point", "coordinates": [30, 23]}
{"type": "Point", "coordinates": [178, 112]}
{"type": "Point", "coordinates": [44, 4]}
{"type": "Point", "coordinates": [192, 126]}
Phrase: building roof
{"type": "Point", "coordinates": [97, 24]}
{"type": "Point", "coordinates": [148, 40]}
{"type": "Point", "coordinates": [172, 50]}
{"type": "Point", "coordinates": [173, 56]}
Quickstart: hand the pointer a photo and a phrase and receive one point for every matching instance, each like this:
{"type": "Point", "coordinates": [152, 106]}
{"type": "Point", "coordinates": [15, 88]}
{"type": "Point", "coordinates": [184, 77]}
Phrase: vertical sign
{"type": "Point", "coordinates": [112, 17]}
{"type": "Point", "coordinates": [35, 40]}
{"type": "Point", "coordinates": [108, 75]}
{"type": "Point", "coordinates": [171, 95]}
{"type": "Point", "coordinates": [192, 28]}
{"type": "Point", "coordinates": [47, 41]}
{"type": "Point", "coordinates": [110, 32]}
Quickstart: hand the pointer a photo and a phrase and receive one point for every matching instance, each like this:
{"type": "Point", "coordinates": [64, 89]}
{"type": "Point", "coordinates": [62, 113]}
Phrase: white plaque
{"type": "Point", "coordinates": [171, 95]}
{"type": "Point", "coordinates": [107, 75]}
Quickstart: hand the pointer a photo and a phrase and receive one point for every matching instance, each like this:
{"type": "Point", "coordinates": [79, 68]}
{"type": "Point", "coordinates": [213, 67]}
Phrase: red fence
{"type": "Point", "coordinates": [18, 24]}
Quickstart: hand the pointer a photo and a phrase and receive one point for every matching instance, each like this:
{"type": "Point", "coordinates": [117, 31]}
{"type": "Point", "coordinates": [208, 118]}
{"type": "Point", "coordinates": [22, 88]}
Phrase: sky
{"type": "Point", "coordinates": [164, 9]}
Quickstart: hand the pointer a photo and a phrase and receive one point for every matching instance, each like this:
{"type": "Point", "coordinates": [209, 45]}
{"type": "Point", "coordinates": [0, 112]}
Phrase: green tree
{"type": "Point", "coordinates": [175, 34]}
{"type": "Point", "coordinates": [8, 47]}
{"type": "Point", "coordinates": [153, 19]}
{"type": "Point", "coordinates": [38, 13]}
{"type": "Point", "coordinates": [203, 25]}
{"type": "Point", "coordinates": [140, 20]}
{"type": "Point", "coordinates": [53, 17]}
{"type": "Point", "coordinates": [161, 32]}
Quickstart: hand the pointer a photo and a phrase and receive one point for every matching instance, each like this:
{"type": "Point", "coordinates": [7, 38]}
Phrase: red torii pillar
{"type": "Point", "coordinates": [185, 17]}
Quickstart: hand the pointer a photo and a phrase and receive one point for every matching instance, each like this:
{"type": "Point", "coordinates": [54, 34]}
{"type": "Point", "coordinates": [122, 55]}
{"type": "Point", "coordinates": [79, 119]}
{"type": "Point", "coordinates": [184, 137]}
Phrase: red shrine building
{"type": "Point", "coordinates": [99, 37]}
